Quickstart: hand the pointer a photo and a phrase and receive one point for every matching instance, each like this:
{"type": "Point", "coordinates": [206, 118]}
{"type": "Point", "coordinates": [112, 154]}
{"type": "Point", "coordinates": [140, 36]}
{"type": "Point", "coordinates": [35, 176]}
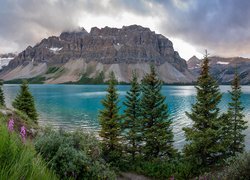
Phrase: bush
{"type": "Point", "coordinates": [18, 160]}
{"type": "Point", "coordinates": [234, 168]}
{"type": "Point", "coordinates": [239, 167]}
{"type": "Point", "coordinates": [161, 168]}
{"type": "Point", "coordinates": [73, 155]}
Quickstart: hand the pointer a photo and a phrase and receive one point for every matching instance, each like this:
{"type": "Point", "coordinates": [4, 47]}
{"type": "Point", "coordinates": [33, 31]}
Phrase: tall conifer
{"type": "Point", "coordinates": [110, 122]}
{"type": "Point", "coordinates": [235, 122]}
{"type": "Point", "coordinates": [132, 118]}
{"type": "Point", "coordinates": [25, 102]}
{"type": "Point", "coordinates": [157, 132]}
{"type": "Point", "coordinates": [2, 101]}
{"type": "Point", "coordinates": [204, 136]}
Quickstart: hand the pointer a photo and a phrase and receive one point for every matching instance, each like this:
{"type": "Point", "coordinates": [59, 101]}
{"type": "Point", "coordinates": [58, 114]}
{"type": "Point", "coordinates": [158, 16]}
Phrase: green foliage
{"type": "Point", "coordinates": [18, 160]}
{"type": "Point", "coordinates": [52, 70]}
{"type": "Point", "coordinates": [132, 119]}
{"type": "Point", "coordinates": [235, 168]}
{"type": "Point", "coordinates": [74, 155]}
{"type": "Point", "coordinates": [99, 79]}
{"type": "Point", "coordinates": [239, 167]}
{"type": "Point", "coordinates": [2, 101]}
{"type": "Point", "coordinates": [204, 137]}
{"type": "Point", "coordinates": [34, 80]}
{"type": "Point", "coordinates": [110, 123]}
{"type": "Point", "coordinates": [234, 122]}
{"type": "Point", "coordinates": [157, 132]}
{"type": "Point", "coordinates": [25, 102]}
{"type": "Point", "coordinates": [161, 168]}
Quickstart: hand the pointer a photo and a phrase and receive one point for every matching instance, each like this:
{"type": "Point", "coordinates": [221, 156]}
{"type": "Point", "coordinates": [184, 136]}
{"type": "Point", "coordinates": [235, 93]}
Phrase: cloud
{"type": "Point", "coordinates": [222, 27]}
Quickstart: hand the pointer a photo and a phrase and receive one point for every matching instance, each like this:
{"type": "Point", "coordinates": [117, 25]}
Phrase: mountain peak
{"type": "Point", "coordinates": [126, 47]}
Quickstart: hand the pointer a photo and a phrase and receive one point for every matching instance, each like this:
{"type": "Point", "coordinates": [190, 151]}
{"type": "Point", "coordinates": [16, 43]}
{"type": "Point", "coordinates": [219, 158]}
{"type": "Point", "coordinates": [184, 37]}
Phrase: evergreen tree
{"type": "Point", "coordinates": [235, 122]}
{"type": "Point", "coordinates": [132, 116]}
{"type": "Point", "coordinates": [25, 102]}
{"type": "Point", "coordinates": [2, 101]}
{"type": "Point", "coordinates": [204, 137]}
{"type": "Point", "coordinates": [156, 130]}
{"type": "Point", "coordinates": [110, 122]}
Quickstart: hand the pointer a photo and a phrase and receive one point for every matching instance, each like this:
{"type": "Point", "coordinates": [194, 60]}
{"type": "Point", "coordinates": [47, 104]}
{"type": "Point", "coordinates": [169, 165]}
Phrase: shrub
{"type": "Point", "coordinates": [239, 167]}
{"type": "Point", "coordinates": [234, 168]}
{"type": "Point", "coordinates": [73, 155]}
{"type": "Point", "coordinates": [161, 168]}
{"type": "Point", "coordinates": [18, 160]}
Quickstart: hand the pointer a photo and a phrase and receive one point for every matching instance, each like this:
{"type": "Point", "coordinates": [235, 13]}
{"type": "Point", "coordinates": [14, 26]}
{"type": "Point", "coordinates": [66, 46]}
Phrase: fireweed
{"type": "Point", "coordinates": [11, 125]}
{"type": "Point", "coordinates": [23, 133]}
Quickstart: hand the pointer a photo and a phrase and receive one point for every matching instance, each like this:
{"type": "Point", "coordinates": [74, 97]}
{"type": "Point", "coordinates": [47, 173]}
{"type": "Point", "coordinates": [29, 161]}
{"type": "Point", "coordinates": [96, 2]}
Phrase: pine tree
{"type": "Point", "coordinates": [25, 102]}
{"type": "Point", "coordinates": [157, 133]}
{"type": "Point", "coordinates": [132, 118]}
{"type": "Point", "coordinates": [235, 122]}
{"type": "Point", "coordinates": [204, 137]}
{"type": "Point", "coordinates": [2, 101]}
{"type": "Point", "coordinates": [110, 122]}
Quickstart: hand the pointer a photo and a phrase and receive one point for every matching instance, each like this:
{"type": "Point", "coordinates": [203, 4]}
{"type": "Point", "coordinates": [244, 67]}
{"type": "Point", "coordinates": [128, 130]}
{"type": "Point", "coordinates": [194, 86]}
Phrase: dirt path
{"type": "Point", "coordinates": [132, 176]}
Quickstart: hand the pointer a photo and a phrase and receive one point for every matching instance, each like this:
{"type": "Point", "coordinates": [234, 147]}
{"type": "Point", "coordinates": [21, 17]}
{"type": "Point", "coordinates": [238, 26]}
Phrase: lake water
{"type": "Point", "coordinates": [73, 106]}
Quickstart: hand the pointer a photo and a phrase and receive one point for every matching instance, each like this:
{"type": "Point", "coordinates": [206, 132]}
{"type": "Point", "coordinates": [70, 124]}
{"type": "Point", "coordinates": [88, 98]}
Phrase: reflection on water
{"type": "Point", "coordinates": [73, 106]}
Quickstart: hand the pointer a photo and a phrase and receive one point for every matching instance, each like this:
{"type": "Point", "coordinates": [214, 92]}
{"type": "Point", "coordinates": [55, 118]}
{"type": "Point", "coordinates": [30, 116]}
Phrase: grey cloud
{"type": "Point", "coordinates": [25, 22]}
{"type": "Point", "coordinates": [221, 26]}
{"type": "Point", "coordinates": [217, 25]}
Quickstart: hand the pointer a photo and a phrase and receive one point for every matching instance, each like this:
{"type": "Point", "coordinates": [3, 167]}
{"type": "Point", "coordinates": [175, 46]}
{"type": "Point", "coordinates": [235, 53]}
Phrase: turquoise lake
{"type": "Point", "coordinates": [74, 106]}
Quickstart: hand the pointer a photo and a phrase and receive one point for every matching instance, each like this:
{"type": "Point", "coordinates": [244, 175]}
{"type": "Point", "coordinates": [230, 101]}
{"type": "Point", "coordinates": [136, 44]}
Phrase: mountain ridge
{"type": "Point", "coordinates": [80, 53]}
{"type": "Point", "coordinates": [223, 68]}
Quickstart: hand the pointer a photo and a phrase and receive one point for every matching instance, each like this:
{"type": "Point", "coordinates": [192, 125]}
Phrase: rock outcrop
{"type": "Point", "coordinates": [114, 49]}
{"type": "Point", "coordinates": [223, 69]}
{"type": "Point", "coordinates": [6, 58]}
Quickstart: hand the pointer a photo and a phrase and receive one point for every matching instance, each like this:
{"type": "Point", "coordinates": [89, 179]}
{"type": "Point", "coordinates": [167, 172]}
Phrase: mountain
{"type": "Point", "coordinates": [79, 56]}
{"type": "Point", "coordinates": [193, 63]}
{"type": "Point", "coordinates": [6, 58]}
{"type": "Point", "coordinates": [223, 69]}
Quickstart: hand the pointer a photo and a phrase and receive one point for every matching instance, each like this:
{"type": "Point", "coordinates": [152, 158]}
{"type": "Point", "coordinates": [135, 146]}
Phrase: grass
{"type": "Point", "coordinates": [18, 160]}
{"type": "Point", "coordinates": [20, 119]}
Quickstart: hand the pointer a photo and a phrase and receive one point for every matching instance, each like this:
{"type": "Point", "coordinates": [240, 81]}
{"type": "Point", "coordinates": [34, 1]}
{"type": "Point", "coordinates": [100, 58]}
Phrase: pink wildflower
{"type": "Point", "coordinates": [11, 125]}
{"type": "Point", "coordinates": [23, 133]}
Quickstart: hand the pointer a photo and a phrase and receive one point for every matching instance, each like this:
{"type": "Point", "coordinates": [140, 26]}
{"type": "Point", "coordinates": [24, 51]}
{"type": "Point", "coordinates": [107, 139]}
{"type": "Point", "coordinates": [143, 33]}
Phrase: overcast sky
{"type": "Point", "coordinates": [220, 26]}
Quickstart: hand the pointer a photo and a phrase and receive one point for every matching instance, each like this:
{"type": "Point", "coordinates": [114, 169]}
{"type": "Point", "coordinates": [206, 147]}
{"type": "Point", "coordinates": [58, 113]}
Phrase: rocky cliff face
{"type": "Point", "coordinates": [223, 69]}
{"type": "Point", "coordinates": [6, 58]}
{"type": "Point", "coordinates": [99, 50]}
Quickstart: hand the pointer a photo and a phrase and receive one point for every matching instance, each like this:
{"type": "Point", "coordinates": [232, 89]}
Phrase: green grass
{"type": "Point", "coordinates": [18, 160]}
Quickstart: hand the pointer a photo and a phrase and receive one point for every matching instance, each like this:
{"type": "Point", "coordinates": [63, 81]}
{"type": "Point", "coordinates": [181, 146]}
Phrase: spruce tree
{"type": "Point", "coordinates": [156, 130]}
{"type": "Point", "coordinates": [2, 101]}
{"type": "Point", "coordinates": [110, 122]}
{"type": "Point", "coordinates": [235, 122]}
{"type": "Point", "coordinates": [204, 136]}
{"type": "Point", "coordinates": [25, 102]}
{"type": "Point", "coordinates": [132, 118]}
